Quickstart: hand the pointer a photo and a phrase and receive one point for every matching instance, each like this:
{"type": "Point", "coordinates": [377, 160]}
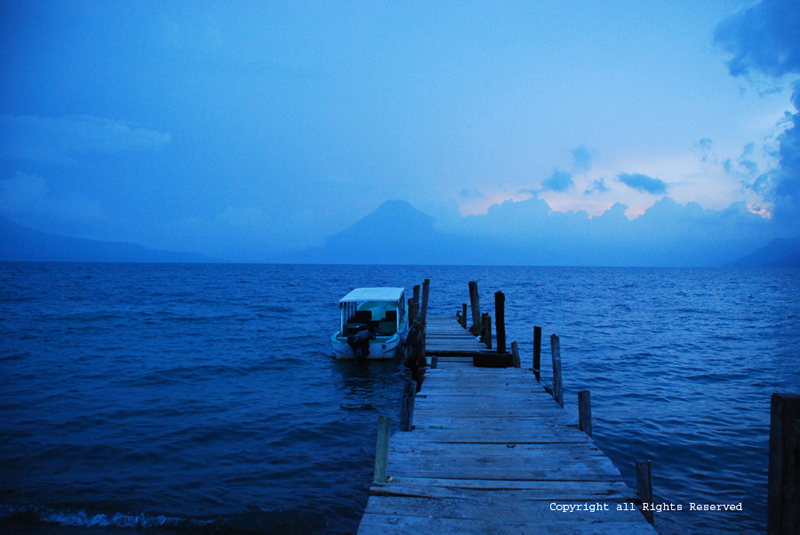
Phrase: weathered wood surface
{"type": "Point", "coordinates": [491, 452]}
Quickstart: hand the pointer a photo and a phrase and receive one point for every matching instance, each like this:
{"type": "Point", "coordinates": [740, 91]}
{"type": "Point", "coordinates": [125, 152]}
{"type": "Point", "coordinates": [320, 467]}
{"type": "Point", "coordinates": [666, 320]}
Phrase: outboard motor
{"type": "Point", "coordinates": [358, 339]}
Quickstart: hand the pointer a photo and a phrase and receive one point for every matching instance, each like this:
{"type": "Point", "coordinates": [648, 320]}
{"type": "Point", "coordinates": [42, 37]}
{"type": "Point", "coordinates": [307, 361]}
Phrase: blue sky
{"type": "Point", "coordinates": [242, 130]}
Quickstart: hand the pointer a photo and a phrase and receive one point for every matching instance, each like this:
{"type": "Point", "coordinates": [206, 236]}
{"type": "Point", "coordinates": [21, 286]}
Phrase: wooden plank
{"type": "Point", "coordinates": [416, 525]}
{"type": "Point", "coordinates": [499, 506]}
{"type": "Point", "coordinates": [477, 488]}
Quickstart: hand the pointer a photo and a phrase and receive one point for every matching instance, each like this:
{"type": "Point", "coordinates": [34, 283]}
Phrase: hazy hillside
{"type": "Point", "coordinates": [18, 243]}
{"type": "Point", "coordinates": [781, 252]}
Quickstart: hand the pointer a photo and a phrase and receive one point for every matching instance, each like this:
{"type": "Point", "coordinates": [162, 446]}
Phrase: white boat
{"type": "Point", "coordinates": [372, 324]}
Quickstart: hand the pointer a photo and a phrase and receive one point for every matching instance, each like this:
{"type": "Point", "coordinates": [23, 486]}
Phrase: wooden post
{"type": "Point", "coordinates": [426, 291]}
{"type": "Point", "coordinates": [416, 293]}
{"type": "Point", "coordinates": [644, 486]}
{"type": "Point", "coordinates": [407, 408]}
{"type": "Point", "coordinates": [464, 315]}
{"type": "Point", "coordinates": [434, 362]}
{"type": "Point", "coordinates": [537, 352]}
{"type": "Point", "coordinates": [555, 350]}
{"type": "Point", "coordinates": [783, 487]}
{"type": "Point", "coordinates": [488, 330]}
{"type": "Point", "coordinates": [585, 411]}
{"type": "Point", "coordinates": [382, 449]}
{"type": "Point", "coordinates": [515, 354]}
{"type": "Point", "coordinates": [500, 320]}
{"type": "Point", "coordinates": [476, 307]}
{"type": "Point", "coordinates": [483, 327]}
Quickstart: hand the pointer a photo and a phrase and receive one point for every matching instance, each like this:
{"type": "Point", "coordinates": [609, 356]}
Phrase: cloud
{"type": "Point", "coordinates": [668, 233]}
{"type": "Point", "coordinates": [583, 159]}
{"type": "Point", "coordinates": [471, 194]}
{"type": "Point", "coordinates": [643, 183]}
{"type": "Point", "coordinates": [598, 185]}
{"type": "Point", "coordinates": [764, 39]}
{"type": "Point", "coordinates": [559, 181]}
{"type": "Point", "coordinates": [60, 141]}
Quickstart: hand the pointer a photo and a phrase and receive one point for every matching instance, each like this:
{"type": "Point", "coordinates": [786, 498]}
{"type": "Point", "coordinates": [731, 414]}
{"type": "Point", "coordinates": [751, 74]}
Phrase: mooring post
{"type": "Point", "coordinates": [464, 315]}
{"type": "Point", "coordinates": [537, 351]}
{"type": "Point", "coordinates": [555, 350]}
{"type": "Point", "coordinates": [500, 320]}
{"type": "Point", "coordinates": [585, 411]}
{"type": "Point", "coordinates": [483, 327]}
{"type": "Point", "coordinates": [644, 487]}
{"type": "Point", "coordinates": [434, 362]}
{"type": "Point", "coordinates": [515, 354]}
{"type": "Point", "coordinates": [487, 321]}
{"type": "Point", "coordinates": [382, 449]}
{"type": "Point", "coordinates": [407, 408]}
{"type": "Point", "coordinates": [783, 487]}
{"type": "Point", "coordinates": [476, 308]}
{"type": "Point", "coordinates": [426, 292]}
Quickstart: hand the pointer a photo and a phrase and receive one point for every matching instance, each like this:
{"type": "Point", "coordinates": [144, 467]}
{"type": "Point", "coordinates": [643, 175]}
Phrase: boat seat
{"type": "Point", "coordinates": [361, 316]}
{"type": "Point", "coordinates": [387, 327]}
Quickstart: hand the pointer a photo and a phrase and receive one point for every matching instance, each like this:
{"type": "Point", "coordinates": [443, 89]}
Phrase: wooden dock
{"type": "Point", "coordinates": [491, 452]}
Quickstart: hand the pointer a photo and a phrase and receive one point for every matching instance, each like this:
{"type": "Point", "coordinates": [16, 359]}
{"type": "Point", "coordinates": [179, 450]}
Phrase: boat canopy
{"type": "Point", "coordinates": [373, 294]}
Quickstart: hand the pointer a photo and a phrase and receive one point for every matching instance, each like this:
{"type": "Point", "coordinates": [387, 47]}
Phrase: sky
{"type": "Point", "coordinates": [240, 130]}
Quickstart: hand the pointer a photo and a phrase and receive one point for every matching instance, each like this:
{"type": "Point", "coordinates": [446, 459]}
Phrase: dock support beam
{"type": "Point", "coordinates": [500, 320]}
{"type": "Point", "coordinates": [783, 494]}
{"type": "Point", "coordinates": [515, 354]}
{"type": "Point", "coordinates": [476, 308]}
{"type": "Point", "coordinates": [555, 350]}
{"type": "Point", "coordinates": [585, 411]}
{"type": "Point", "coordinates": [537, 352]}
{"type": "Point", "coordinates": [382, 449]}
{"type": "Point", "coordinates": [426, 292]}
{"type": "Point", "coordinates": [407, 408]}
{"type": "Point", "coordinates": [644, 487]}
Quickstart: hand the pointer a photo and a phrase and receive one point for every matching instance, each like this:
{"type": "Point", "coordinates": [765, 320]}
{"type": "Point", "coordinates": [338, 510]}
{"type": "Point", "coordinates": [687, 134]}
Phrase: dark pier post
{"type": "Point", "coordinates": [500, 320]}
{"type": "Point", "coordinates": [464, 315]}
{"type": "Point", "coordinates": [585, 411]}
{"type": "Point", "coordinates": [537, 352]}
{"type": "Point", "coordinates": [382, 449]}
{"type": "Point", "coordinates": [644, 486]}
{"type": "Point", "coordinates": [426, 291]}
{"type": "Point", "coordinates": [515, 354]}
{"type": "Point", "coordinates": [783, 494]}
{"type": "Point", "coordinates": [486, 330]}
{"type": "Point", "coordinates": [476, 307]}
{"type": "Point", "coordinates": [407, 408]}
{"type": "Point", "coordinates": [555, 349]}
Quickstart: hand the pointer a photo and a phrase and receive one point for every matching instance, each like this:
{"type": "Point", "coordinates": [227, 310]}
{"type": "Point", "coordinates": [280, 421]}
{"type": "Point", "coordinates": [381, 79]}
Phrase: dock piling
{"type": "Point", "coordinates": [426, 291]}
{"type": "Point", "coordinates": [783, 487]}
{"type": "Point", "coordinates": [500, 320]}
{"type": "Point", "coordinates": [644, 487]}
{"type": "Point", "coordinates": [407, 407]}
{"type": "Point", "coordinates": [382, 449]}
{"type": "Point", "coordinates": [515, 354]}
{"type": "Point", "coordinates": [585, 411]}
{"type": "Point", "coordinates": [464, 315]}
{"type": "Point", "coordinates": [487, 330]}
{"type": "Point", "coordinates": [476, 307]}
{"type": "Point", "coordinates": [537, 352]}
{"type": "Point", "coordinates": [555, 350]}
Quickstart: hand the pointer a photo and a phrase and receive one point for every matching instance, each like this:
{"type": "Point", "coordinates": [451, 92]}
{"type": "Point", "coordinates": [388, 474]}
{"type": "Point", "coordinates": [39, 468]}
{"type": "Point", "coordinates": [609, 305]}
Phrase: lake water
{"type": "Point", "coordinates": [204, 397]}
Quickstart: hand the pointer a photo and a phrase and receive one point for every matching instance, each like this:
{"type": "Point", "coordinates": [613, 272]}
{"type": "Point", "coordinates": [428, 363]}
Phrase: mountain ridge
{"type": "Point", "coordinates": [23, 244]}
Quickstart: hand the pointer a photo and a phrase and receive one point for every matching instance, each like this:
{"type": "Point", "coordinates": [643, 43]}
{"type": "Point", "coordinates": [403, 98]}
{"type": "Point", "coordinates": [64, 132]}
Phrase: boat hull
{"type": "Point", "coordinates": [379, 349]}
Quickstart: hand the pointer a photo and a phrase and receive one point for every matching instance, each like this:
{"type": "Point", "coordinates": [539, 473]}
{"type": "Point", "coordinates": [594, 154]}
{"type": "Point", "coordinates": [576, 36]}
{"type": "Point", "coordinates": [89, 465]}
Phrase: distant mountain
{"type": "Point", "coordinates": [781, 252]}
{"type": "Point", "coordinates": [395, 233]}
{"type": "Point", "coordinates": [18, 243]}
